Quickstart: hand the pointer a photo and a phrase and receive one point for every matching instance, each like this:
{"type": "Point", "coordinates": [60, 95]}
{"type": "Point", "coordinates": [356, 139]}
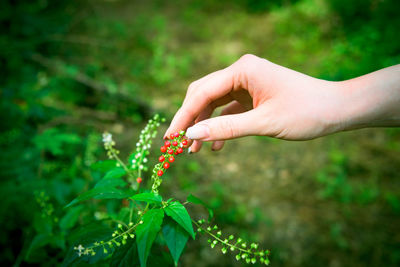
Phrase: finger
{"type": "Point", "coordinates": [216, 86]}
{"type": "Point", "coordinates": [205, 114]}
{"type": "Point", "coordinates": [196, 146]}
{"type": "Point", "coordinates": [217, 145]}
{"type": "Point", "coordinates": [233, 108]}
{"type": "Point", "coordinates": [226, 127]}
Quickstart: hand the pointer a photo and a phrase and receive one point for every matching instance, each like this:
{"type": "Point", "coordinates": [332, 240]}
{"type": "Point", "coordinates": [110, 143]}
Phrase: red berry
{"type": "Point", "coordinates": [176, 152]}
{"type": "Point", "coordinates": [167, 143]}
{"type": "Point", "coordinates": [179, 150]}
{"type": "Point", "coordinates": [166, 165]}
{"type": "Point", "coordinates": [171, 159]}
{"type": "Point", "coordinates": [139, 180]}
{"type": "Point", "coordinates": [163, 149]}
{"type": "Point", "coordinates": [176, 134]}
{"type": "Point", "coordinates": [184, 142]}
{"type": "Point", "coordinates": [175, 143]}
{"type": "Point", "coordinates": [172, 136]}
{"type": "Point", "coordinates": [161, 158]}
{"type": "Point", "coordinates": [160, 173]}
{"type": "Point", "coordinates": [170, 151]}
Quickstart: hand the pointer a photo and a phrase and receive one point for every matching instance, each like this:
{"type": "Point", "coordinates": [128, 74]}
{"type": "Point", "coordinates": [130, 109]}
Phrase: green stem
{"type": "Point", "coordinates": [222, 241]}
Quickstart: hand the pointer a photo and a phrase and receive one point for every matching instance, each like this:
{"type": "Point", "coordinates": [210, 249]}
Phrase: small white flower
{"type": "Point", "coordinates": [133, 161]}
{"type": "Point", "coordinates": [80, 250]}
{"type": "Point", "coordinates": [145, 160]}
{"type": "Point", "coordinates": [107, 138]}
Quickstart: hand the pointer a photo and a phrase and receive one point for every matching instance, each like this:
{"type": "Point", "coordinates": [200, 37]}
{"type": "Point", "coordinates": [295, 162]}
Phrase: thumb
{"type": "Point", "coordinates": [225, 127]}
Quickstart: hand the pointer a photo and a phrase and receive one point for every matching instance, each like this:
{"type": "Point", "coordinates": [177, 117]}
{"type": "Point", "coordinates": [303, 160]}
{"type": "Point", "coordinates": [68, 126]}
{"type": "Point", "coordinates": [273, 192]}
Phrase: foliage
{"type": "Point", "coordinates": [150, 214]}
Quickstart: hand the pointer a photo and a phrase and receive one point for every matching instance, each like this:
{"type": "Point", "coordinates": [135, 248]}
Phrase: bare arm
{"type": "Point", "coordinates": [263, 98]}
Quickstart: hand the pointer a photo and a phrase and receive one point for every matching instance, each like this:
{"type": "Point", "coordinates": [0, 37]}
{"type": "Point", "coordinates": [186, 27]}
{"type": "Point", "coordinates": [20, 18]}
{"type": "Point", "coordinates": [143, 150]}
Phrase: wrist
{"type": "Point", "coordinates": [371, 100]}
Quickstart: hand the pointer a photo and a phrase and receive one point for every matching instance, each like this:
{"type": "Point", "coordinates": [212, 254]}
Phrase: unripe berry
{"type": "Point", "coordinates": [175, 143]}
{"type": "Point", "coordinates": [161, 158]}
{"type": "Point", "coordinates": [139, 180]}
{"type": "Point", "coordinates": [170, 151]}
{"type": "Point", "coordinates": [166, 165]}
{"type": "Point", "coordinates": [167, 143]}
{"type": "Point", "coordinates": [163, 149]}
{"type": "Point", "coordinates": [160, 173]}
{"type": "Point", "coordinates": [171, 159]}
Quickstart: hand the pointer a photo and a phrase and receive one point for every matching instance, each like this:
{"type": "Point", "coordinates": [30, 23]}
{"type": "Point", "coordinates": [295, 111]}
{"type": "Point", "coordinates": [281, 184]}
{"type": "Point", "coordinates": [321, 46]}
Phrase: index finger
{"type": "Point", "coordinates": [215, 88]}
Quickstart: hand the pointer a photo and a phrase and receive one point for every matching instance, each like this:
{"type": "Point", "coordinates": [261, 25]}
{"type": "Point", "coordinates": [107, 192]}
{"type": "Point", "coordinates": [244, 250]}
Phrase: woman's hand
{"type": "Point", "coordinates": [263, 98]}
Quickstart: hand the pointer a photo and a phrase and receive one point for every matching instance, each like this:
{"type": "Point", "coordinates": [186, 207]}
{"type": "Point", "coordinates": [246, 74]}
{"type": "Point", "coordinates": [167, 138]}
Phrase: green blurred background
{"type": "Point", "coordinates": [73, 69]}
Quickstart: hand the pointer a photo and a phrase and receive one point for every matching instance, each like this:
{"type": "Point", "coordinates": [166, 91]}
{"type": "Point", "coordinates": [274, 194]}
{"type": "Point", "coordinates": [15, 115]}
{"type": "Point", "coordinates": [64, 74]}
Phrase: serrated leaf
{"type": "Point", "coordinates": [179, 213]}
{"type": "Point", "coordinates": [148, 197]}
{"type": "Point", "coordinates": [102, 193]}
{"type": "Point", "coordinates": [125, 256]}
{"type": "Point", "coordinates": [176, 238]}
{"type": "Point", "coordinates": [195, 200]}
{"type": "Point", "coordinates": [147, 232]}
{"type": "Point", "coordinates": [115, 173]}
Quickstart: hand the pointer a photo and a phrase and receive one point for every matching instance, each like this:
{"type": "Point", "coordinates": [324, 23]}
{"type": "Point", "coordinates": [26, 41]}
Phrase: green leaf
{"type": "Point", "coordinates": [195, 200]}
{"type": "Point", "coordinates": [69, 219]}
{"type": "Point", "coordinates": [102, 193]}
{"type": "Point", "coordinates": [178, 212]}
{"type": "Point", "coordinates": [148, 197]}
{"type": "Point", "coordinates": [176, 238]}
{"type": "Point", "coordinates": [115, 173]}
{"type": "Point", "coordinates": [104, 165]}
{"type": "Point", "coordinates": [113, 182]}
{"type": "Point", "coordinates": [147, 232]}
{"type": "Point", "coordinates": [125, 256]}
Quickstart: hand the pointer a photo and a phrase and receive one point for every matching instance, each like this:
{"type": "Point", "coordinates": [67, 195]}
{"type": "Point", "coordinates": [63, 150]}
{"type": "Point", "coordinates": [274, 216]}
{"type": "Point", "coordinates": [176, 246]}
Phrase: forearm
{"type": "Point", "coordinates": [372, 100]}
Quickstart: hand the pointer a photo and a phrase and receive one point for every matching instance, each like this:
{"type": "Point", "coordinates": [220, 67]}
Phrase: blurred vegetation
{"type": "Point", "coordinates": [73, 69]}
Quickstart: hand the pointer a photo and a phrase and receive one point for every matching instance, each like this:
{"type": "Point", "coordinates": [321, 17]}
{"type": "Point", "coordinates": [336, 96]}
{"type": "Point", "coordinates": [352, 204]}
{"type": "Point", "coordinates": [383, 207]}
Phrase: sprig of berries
{"type": "Point", "coordinates": [139, 157]}
{"type": "Point", "coordinates": [171, 148]}
{"type": "Point", "coordinates": [249, 254]}
{"type": "Point", "coordinates": [118, 238]}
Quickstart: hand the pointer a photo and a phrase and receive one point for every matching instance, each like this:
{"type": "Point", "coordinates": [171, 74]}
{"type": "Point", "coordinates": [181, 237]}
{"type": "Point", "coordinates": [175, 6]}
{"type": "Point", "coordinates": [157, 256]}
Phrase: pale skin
{"type": "Point", "coordinates": [263, 98]}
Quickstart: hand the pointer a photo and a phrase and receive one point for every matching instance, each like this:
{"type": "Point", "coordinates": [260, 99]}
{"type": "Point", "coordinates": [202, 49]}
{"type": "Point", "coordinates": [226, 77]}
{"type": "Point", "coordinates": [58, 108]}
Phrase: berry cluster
{"type": "Point", "coordinates": [172, 147]}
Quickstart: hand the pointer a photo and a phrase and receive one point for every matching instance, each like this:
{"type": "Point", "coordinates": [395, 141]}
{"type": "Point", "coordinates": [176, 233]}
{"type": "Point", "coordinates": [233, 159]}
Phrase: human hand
{"type": "Point", "coordinates": [264, 99]}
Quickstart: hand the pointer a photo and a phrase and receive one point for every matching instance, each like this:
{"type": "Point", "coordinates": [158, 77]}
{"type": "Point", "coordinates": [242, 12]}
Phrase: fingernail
{"type": "Point", "coordinates": [189, 150]}
{"type": "Point", "coordinates": [199, 131]}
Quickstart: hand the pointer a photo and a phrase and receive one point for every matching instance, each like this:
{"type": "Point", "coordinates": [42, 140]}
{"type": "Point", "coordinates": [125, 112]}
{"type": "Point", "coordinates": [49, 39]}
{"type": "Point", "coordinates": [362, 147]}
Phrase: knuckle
{"type": "Point", "coordinates": [192, 87]}
{"type": "Point", "coordinates": [228, 126]}
{"type": "Point", "coordinates": [245, 66]}
{"type": "Point", "coordinates": [247, 58]}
